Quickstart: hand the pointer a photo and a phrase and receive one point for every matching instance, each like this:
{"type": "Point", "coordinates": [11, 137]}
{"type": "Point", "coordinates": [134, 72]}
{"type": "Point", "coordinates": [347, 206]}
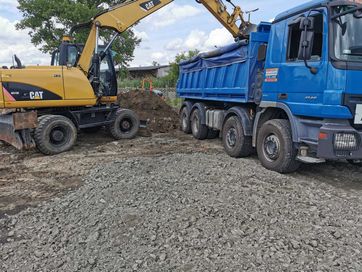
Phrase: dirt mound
{"type": "Point", "coordinates": [161, 117]}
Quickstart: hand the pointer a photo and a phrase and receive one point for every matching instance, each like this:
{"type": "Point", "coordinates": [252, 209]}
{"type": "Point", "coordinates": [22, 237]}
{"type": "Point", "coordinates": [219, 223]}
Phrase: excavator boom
{"type": "Point", "coordinates": [123, 16]}
{"type": "Point", "coordinates": [118, 18]}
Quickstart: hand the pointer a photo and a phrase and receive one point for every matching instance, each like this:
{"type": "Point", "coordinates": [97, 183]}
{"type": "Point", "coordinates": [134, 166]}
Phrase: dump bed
{"type": "Point", "coordinates": [226, 74]}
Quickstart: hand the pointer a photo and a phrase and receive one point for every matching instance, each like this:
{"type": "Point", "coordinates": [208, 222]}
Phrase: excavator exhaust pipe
{"type": "Point", "coordinates": [15, 129]}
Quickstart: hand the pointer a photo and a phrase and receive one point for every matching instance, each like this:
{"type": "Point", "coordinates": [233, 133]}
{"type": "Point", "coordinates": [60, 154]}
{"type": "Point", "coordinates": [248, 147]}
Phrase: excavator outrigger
{"type": "Point", "coordinates": [45, 106]}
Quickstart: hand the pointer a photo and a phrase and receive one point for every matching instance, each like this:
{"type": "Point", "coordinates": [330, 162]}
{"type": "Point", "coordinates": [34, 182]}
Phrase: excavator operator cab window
{"type": "Point", "coordinates": [108, 76]}
{"type": "Point", "coordinates": [72, 55]}
{"type": "Point", "coordinates": [67, 54]}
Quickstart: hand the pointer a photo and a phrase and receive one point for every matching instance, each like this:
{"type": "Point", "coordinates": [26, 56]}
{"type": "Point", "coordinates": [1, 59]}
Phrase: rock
{"type": "Point", "coordinates": [337, 235]}
{"type": "Point", "coordinates": [313, 243]}
{"type": "Point", "coordinates": [163, 257]}
{"type": "Point", "coordinates": [38, 253]}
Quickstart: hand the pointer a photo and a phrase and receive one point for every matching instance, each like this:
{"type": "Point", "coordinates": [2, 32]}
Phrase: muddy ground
{"type": "Point", "coordinates": [27, 178]}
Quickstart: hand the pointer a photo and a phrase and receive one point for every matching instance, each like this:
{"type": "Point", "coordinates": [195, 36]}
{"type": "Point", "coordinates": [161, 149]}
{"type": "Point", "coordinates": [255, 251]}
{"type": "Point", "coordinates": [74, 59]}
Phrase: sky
{"type": "Point", "coordinates": [181, 26]}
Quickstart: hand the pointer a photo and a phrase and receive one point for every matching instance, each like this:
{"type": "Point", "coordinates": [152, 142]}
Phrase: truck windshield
{"type": "Point", "coordinates": [347, 24]}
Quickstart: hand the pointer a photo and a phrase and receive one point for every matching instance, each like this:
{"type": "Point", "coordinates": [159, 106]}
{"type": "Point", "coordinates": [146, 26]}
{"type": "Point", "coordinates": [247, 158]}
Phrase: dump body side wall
{"type": "Point", "coordinates": [226, 82]}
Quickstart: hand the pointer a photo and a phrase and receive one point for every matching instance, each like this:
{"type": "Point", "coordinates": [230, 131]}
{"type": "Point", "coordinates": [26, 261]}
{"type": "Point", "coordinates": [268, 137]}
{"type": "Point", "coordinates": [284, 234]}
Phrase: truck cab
{"type": "Point", "coordinates": [292, 90]}
{"type": "Point", "coordinates": [313, 73]}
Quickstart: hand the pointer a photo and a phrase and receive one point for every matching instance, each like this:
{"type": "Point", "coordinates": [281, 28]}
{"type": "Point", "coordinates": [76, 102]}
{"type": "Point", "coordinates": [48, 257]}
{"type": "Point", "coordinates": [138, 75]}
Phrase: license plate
{"type": "Point", "coordinates": [358, 116]}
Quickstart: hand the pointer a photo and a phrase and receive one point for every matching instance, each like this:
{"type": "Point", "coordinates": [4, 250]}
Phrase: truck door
{"type": "Point", "coordinates": [295, 84]}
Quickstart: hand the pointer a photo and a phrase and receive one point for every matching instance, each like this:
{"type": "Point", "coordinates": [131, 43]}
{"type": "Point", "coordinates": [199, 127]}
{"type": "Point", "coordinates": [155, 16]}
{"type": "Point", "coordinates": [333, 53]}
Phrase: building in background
{"type": "Point", "coordinates": [142, 72]}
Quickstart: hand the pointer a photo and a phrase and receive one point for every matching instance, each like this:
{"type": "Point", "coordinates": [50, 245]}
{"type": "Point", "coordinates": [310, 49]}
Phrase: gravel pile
{"type": "Point", "coordinates": [189, 212]}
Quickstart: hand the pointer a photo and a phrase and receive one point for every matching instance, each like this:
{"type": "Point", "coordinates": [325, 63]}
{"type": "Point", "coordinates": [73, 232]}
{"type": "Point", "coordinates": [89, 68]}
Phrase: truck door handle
{"type": "Point", "coordinates": [282, 96]}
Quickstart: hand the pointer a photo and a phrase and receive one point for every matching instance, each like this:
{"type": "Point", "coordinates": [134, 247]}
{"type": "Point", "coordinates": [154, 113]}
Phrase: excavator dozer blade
{"type": "Point", "coordinates": [15, 129]}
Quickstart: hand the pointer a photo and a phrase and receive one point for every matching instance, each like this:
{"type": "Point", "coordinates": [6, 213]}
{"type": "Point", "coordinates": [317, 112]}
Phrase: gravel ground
{"type": "Point", "coordinates": [192, 212]}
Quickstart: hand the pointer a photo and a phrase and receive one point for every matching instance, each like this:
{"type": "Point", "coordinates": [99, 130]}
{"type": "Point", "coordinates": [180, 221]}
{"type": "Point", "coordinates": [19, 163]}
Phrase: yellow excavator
{"type": "Point", "coordinates": [46, 106]}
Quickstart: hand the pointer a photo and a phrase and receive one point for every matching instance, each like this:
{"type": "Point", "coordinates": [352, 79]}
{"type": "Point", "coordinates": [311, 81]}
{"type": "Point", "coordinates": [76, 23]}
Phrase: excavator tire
{"type": "Point", "coordinates": [55, 134]}
{"type": "Point", "coordinates": [125, 126]}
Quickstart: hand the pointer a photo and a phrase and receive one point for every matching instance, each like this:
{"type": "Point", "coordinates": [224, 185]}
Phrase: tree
{"type": "Point", "coordinates": [172, 77]}
{"type": "Point", "coordinates": [49, 20]}
{"type": "Point", "coordinates": [155, 63]}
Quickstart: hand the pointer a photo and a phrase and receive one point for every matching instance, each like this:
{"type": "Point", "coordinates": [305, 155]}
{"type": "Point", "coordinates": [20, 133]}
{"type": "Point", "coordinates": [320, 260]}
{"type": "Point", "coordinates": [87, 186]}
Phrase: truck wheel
{"type": "Point", "coordinates": [355, 162]}
{"type": "Point", "coordinates": [275, 147]}
{"type": "Point", "coordinates": [125, 126]}
{"type": "Point", "coordinates": [55, 134]}
{"type": "Point", "coordinates": [199, 131]}
{"type": "Point", "coordinates": [185, 123]}
{"type": "Point", "coordinates": [236, 144]}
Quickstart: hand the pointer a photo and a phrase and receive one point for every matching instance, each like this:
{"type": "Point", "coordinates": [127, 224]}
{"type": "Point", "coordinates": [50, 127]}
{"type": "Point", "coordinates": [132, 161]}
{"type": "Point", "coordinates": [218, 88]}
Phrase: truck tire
{"type": "Point", "coordinates": [355, 162]}
{"type": "Point", "coordinates": [185, 123]}
{"type": "Point", "coordinates": [199, 131]}
{"type": "Point", "coordinates": [55, 134]}
{"type": "Point", "coordinates": [125, 126]}
{"type": "Point", "coordinates": [236, 144]}
{"type": "Point", "coordinates": [275, 147]}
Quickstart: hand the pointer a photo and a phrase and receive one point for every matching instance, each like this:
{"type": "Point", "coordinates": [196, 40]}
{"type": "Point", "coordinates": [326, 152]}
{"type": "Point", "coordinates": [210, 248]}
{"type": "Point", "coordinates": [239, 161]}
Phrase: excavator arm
{"type": "Point", "coordinates": [118, 18]}
{"type": "Point", "coordinates": [219, 11]}
{"type": "Point", "coordinates": [123, 16]}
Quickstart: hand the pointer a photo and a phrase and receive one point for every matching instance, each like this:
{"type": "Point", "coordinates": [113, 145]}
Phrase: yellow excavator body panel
{"type": "Point", "coordinates": [45, 86]}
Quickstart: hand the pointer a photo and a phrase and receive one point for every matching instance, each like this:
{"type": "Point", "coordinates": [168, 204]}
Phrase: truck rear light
{"type": "Point", "coordinates": [346, 141]}
{"type": "Point", "coordinates": [323, 136]}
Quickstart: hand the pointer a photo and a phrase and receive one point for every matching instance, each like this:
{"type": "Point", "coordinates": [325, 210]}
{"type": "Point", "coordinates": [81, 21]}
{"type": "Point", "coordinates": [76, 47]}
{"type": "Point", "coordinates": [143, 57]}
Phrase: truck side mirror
{"type": "Point", "coordinates": [306, 42]}
{"type": "Point", "coordinates": [307, 37]}
{"type": "Point", "coordinates": [262, 52]}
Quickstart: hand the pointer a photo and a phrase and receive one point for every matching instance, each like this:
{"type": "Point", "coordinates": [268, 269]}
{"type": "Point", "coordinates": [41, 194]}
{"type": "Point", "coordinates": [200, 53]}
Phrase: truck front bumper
{"type": "Point", "coordinates": [338, 141]}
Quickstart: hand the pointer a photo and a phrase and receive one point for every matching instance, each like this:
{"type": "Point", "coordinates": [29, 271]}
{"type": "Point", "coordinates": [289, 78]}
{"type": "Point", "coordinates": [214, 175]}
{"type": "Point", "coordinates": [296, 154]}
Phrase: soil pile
{"type": "Point", "coordinates": [161, 117]}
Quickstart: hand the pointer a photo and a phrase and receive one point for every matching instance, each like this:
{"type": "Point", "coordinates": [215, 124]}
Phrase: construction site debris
{"type": "Point", "coordinates": [161, 117]}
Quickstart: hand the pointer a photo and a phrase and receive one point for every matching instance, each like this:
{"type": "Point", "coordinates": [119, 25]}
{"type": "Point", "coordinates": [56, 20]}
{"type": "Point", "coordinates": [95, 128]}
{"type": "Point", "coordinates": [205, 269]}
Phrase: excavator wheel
{"type": "Point", "coordinates": [55, 134]}
{"type": "Point", "coordinates": [125, 125]}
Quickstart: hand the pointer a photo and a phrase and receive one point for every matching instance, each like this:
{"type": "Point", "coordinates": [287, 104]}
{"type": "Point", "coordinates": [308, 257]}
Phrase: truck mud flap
{"type": "Point", "coordinates": [15, 129]}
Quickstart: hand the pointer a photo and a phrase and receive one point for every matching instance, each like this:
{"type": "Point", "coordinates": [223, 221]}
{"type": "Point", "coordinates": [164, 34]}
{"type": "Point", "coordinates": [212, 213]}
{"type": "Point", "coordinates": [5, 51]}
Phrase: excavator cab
{"type": "Point", "coordinates": [68, 55]}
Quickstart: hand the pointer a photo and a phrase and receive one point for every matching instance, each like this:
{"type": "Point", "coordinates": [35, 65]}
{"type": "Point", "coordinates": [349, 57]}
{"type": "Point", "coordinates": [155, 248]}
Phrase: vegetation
{"type": "Point", "coordinates": [174, 69]}
{"type": "Point", "coordinates": [168, 81]}
{"type": "Point", "coordinates": [49, 20]}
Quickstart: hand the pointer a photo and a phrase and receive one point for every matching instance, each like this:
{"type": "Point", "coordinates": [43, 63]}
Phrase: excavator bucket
{"type": "Point", "coordinates": [15, 129]}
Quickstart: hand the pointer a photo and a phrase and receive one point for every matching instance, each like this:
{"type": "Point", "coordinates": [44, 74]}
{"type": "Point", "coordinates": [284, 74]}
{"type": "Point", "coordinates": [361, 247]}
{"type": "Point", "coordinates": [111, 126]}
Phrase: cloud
{"type": "Point", "coordinates": [141, 35]}
{"type": "Point", "coordinates": [171, 14]}
{"type": "Point", "coordinates": [218, 37]}
{"type": "Point", "coordinates": [9, 7]}
{"type": "Point", "coordinates": [174, 45]}
{"type": "Point", "coordinates": [13, 41]}
{"type": "Point", "coordinates": [9, 3]}
{"type": "Point", "coordinates": [196, 39]}
{"type": "Point", "coordinates": [200, 40]}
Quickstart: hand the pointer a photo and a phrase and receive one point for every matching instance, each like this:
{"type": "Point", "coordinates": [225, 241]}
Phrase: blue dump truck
{"type": "Point", "coordinates": [292, 91]}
